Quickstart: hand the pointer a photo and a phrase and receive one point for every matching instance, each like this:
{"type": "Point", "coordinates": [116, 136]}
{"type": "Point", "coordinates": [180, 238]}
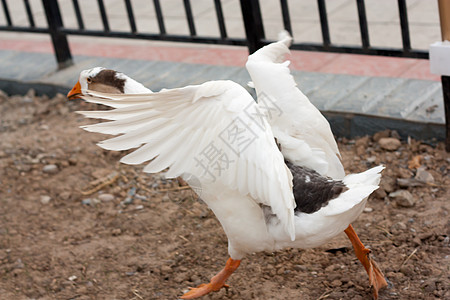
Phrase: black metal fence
{"type": "Point", "coordinates": [252, 20]}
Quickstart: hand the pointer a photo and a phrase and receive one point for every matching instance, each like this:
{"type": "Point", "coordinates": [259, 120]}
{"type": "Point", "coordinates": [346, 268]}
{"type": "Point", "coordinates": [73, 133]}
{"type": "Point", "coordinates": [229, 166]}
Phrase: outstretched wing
{"type": "Point", "coordinates": [302, 131]}
{"type": "Point", "coordinates": [211, 131]}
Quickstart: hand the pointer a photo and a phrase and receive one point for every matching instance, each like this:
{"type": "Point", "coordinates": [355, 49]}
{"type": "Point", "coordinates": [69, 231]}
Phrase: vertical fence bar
{"type": "Point", "coordinates": [286, 16]}
{"type": "Point", "coordinates": [404, 25]}
{"type": "Point", "coordinates": [130, 16]}
{"type": "Point", "coordinates": [363, 24]}
{"type": "Point", "coordinates": [159, 17]}
{"type": "Point", "coordinates": [29, 13]}
{"type": "Point", "coordinates": [253, 24]}
{"type": "Point", "coordinates": [220, 19]}
{"type": "Point", "coordinates": [444, 16]}
{"type": "Point", "coordinates": [101, 7]}
{"type": "Point", "coordinates": [190, 18]}
{"type": "Point", "coordinates": [59, 39]}
{"type": "Point", "coordinates": [76, 7]}
{"type": "Point", "coordinates": [324, 23]}
{"type": "Point", "coordinates": [6, 12]}
{"type": "Point", "coordinates": [446, 92]}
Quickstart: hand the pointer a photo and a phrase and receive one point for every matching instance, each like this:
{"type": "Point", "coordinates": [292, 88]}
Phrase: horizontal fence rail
{"type": "Point", "coordinates": [251, 18]}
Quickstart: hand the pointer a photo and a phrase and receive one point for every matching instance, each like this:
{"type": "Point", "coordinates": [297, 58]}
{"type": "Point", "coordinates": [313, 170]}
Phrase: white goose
{"type": "Point", "coordinates": [215, 133]}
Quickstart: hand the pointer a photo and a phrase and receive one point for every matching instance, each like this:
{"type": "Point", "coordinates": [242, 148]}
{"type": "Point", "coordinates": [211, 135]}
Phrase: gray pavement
{"type": "Point", "coordinates": [354, 105]}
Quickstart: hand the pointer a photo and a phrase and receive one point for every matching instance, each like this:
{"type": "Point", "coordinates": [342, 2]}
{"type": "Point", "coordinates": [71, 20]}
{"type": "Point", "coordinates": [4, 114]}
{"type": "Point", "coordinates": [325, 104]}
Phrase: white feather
{"type": "Point", "coordinates": [178, 129]}
{"type": "Point", "coordinates": [297, 118]}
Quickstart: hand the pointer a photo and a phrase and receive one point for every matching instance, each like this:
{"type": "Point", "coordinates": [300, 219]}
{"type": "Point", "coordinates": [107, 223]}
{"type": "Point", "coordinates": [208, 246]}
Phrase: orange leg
{"type": "Point", "coordinates": [376, 277]}
{"type": "Point", "coordinates": [217, 282]}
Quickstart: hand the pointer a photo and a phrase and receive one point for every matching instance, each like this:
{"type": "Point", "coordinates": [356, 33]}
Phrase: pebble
{"type": "Point", "coordinates": [3, 95]}
{"type": "Point", "coordinates": [371, 159]}
{"type": "Point", "coordinates": [73, 278]}
{"type": "Point", "coordinates": [429, 286]}
{"type": "Point", "coordinates": [446, 241]}
{"type": "Point", "coordinates": [139, 207]}
{"type": "Point", "coordinates": [403, 198]}
{"type": "Point", "coordinates": [404, 173]}
{"type": "Point", "coordinates": [360, 150]}
{"type": "Point", "coordinates": [382, 134]}
{"type": "Point", "coordinates": [301, 268]}
{"type": "Point", "coordinates": [388, 184]}
{"type": "Point", "coordinates": [334, 276]}
{"type": "Point", "coordinates": [128, 200]}
{"type": "Point", "coordinates": [380, 193]}
{"type": "Point", "coordinates": [90, 201]}
{"type": "Point", "coordinates": [116, 231]}
{"type": "Point", "coordinates": [363, 142]}
{"type": "Point", "coordinates": [424, 176]}
{"type": "Point", "coordinates": [390, 144]}
{"type": "Point", "coordinates": [45, 199]}
{"type": "Point", "coordinates": [50, 169]}
{"type": "Point", "coordinates": [408, 270]}
{"type": "Point", "coordinates": [16, 272]}
{"type": "Point", "coordinates": [26, 100]}
{"type": "Point", "coordinates": [19, 264]}
{"type": "Point", "coordinates": [166, 269]}
{"type": "Point", "coordinates": [30, 93]}
{"type": "Point", "coordinates": [399, 226]}
{"type": "Point", "coordinates": [331, 268]}
{"type": "Point", "coordinates": [86, 201]}
{"type": "Point", "coordinates": [368, 209]}
{"type": "Point", "coordinates": [141, 197]}
{"type": "Point", "coordinates": [73, 160]}
{"type": "Point", "coordinates": [409, 182]}
{"type": "Point", "coordinates": [44, 127]}
{"type": "Point", "coordinates": [336, 283]}
{"type": "Point", "coordinates": [65, 195]}
{"type": "Point", "coordinates": [417, 242]}
{"type": "Point", "coordinates": [180, 277]}
{"type": "Point", "coordinates": [106, 197]}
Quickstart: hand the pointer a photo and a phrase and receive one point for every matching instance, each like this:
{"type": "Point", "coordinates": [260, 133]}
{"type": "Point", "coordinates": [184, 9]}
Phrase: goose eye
{"type": "Point", "coordinates": [89, 80]}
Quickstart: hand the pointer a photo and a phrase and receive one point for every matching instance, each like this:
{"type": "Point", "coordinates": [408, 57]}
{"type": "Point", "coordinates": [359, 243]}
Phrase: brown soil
{"type": "Point", "coordinates": [149, 238]}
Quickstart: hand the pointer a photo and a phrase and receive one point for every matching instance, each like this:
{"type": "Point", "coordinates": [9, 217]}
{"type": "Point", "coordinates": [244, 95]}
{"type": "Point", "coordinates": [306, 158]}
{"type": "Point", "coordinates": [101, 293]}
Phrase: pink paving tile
{"type": "Point", "coordinates": [368, 65]}
{"type": "Point", "coordinates": [420, 70]}
{"type": "Point", "coordinates": [225, 57]}
{"type": "Point", "coordinates": [235, 57]}
{"type": "Point", "coordinates": [27, 46]}
{"type": "Point", "coordinates": [310, 61]}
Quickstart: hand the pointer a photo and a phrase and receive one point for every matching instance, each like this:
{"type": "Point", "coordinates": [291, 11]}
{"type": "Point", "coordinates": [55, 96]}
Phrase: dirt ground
{"type": "Point", "coordinates": [76, 224]}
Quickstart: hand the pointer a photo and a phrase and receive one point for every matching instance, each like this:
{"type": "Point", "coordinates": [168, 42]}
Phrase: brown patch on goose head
{"type": "Point", "coordinates": [106, 81]}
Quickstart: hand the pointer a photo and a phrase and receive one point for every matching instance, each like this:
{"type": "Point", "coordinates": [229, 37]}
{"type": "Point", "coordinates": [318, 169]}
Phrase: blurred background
{"type": "Point", "coordinates": [382, 18]}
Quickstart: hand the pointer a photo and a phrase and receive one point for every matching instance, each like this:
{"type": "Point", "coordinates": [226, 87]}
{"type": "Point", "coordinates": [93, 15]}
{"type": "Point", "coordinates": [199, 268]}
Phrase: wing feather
{"type": "Point", "coordinates": [206, 131]}
{"type": "Point", "coordinates": [292, 112]}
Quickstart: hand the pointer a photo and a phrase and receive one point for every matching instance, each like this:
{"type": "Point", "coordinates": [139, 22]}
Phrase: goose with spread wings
{"type": "Point", "coordinates": [270, 171]}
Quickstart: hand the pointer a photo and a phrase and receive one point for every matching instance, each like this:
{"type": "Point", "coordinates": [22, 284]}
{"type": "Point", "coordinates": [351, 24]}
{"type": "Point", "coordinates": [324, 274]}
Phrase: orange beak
{"type": "Point", "coordinates": [75, 92]}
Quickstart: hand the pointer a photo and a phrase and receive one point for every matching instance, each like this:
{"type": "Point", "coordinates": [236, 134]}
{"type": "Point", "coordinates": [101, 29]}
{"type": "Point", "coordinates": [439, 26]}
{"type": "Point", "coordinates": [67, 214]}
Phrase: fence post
{"type": "Point", "coordinates": [254, 30]}
{"type": "Point", "coordinates": [59, 39]}
{"type": "Point", "coordinates": [444, 16]}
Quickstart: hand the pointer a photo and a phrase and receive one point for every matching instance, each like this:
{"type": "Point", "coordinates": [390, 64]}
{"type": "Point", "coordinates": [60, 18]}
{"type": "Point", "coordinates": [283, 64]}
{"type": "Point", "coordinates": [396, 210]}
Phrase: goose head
{"type": "Point", "coordinates": [107, 81]}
